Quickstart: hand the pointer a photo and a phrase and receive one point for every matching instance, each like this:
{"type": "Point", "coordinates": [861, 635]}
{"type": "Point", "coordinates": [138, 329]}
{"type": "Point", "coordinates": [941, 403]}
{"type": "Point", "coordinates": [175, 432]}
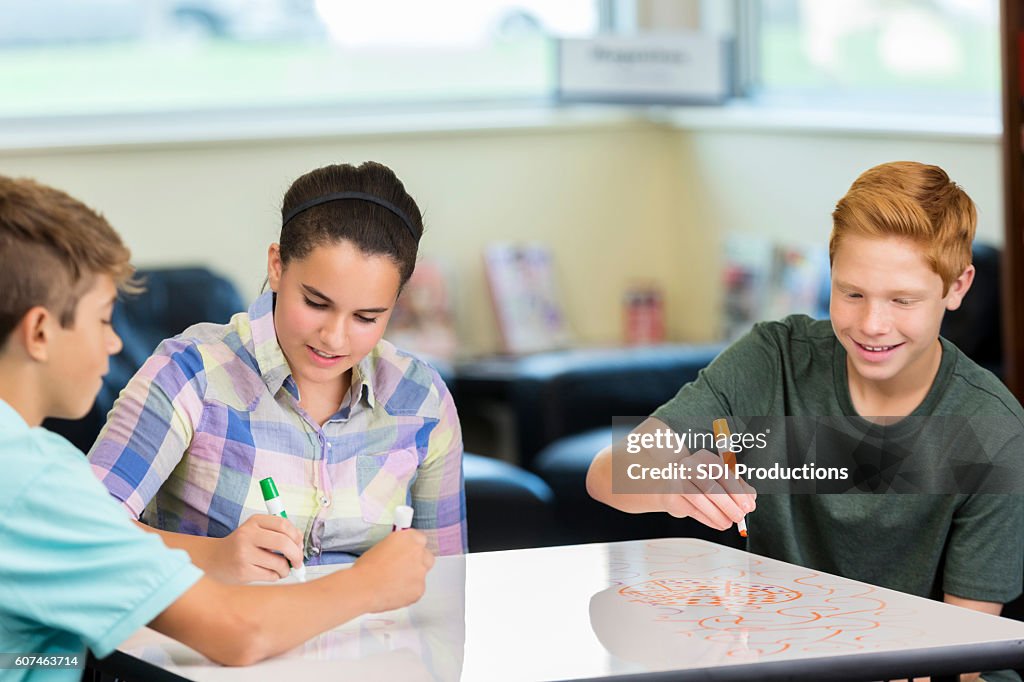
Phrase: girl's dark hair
{"type": "Point", "coordinates": [374, 229]}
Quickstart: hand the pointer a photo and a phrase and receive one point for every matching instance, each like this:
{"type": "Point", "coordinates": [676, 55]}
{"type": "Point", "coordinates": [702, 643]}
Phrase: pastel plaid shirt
{"type": "Point", "coordinates": [215, 409]}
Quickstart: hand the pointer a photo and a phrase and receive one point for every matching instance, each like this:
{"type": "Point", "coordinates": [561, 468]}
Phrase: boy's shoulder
{"type": "Point", "coordinates": [796, 328]}
{"type": "Point", "coordinates": [974, 390]}
{"type": "Point", "coordinates": [796, 338]}
{"type": "Point", "coordinates": [796, 341]}
{"type": "Point", "coordinates": [30, 455]}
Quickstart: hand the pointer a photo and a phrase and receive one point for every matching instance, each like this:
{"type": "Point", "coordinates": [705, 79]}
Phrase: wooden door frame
{"type": "Point", "coordinates": [1012, 32]}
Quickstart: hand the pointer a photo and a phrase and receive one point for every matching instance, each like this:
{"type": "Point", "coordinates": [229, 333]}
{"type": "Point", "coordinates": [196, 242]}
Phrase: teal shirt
{"type": "Point", "coordinates": [75, 572]}
{"type": "Point", "coordinates": [968, 545]}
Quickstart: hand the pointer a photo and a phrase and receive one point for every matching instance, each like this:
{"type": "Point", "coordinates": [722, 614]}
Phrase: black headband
{"type": "Point", "coordinates": [338, 196]}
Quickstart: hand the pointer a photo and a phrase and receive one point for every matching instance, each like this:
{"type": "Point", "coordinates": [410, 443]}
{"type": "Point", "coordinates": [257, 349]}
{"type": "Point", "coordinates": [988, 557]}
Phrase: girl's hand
{"type": "Point", "coordinates": [254, 550]}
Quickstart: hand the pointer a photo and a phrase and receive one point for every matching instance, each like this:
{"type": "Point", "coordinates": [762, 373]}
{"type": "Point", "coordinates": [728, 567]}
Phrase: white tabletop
{"type": "Point", "coordinates": [622, 609]}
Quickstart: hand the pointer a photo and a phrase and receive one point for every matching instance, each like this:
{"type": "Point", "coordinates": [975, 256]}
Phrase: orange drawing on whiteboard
{"type": "Point", "coordinates": [708, 592]}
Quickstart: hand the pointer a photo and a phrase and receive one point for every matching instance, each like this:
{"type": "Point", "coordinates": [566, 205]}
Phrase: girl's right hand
{"type": "Point", "coordinates": [258, 550]}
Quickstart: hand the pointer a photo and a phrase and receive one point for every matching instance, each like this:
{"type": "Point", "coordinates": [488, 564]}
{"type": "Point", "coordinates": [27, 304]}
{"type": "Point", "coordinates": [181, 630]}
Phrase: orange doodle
{"type": "Point", "coordinates": [721, 593]}
{"type": "Point", "coordinates": [712, 605]}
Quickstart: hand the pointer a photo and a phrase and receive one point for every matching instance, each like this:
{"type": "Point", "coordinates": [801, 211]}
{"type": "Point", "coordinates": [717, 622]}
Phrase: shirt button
{"type": "Point", "coordinates": [324, 501]}
{"type": "Point", "coordinates": [314, 550]}
{"type": "Point", "coordinates": [328, 445]}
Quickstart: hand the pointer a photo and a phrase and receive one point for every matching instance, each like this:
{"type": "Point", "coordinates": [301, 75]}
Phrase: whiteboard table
{"type": "Point", "coordinates": [676, 609]}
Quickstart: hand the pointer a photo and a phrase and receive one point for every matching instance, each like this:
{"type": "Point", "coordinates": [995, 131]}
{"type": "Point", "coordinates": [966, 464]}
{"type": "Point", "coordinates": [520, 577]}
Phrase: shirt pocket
{"type": "Point", "coordinates": [384, 481]}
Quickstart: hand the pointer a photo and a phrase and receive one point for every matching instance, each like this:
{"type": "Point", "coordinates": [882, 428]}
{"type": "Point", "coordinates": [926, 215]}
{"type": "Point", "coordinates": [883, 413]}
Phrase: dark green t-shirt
{"type": "Point", "coordinates": [968, 545]}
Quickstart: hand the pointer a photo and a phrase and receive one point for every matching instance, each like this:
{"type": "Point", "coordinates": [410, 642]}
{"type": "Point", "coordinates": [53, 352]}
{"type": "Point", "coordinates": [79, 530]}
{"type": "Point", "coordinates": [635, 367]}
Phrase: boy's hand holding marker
{"type": "Point", "coordinates": [398, 565]}
{"type": "Point", "coordinates": [716, 502]}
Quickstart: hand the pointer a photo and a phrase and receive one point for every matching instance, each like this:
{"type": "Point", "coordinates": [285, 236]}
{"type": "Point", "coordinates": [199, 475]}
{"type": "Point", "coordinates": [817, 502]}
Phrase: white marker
{"type": "Point", "coordinates": [276, 508]}
{"type": "Point", "coordinates": [403, 517]}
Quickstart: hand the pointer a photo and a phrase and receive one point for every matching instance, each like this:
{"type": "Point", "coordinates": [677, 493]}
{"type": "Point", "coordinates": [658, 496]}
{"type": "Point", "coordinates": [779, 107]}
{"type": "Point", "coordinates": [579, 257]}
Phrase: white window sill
{"type": "Point", "coordinates": [769, 119]}
{"type": "Point", "coordinates": [191, 128]}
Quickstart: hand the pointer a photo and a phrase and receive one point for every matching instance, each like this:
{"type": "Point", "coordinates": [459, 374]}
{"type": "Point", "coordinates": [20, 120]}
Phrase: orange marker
{"type": "Point", "coordinates": [721, 428]}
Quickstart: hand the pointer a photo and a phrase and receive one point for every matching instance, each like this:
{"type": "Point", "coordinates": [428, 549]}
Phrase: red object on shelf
{"type": "Point", "coordinates": [644, 316]}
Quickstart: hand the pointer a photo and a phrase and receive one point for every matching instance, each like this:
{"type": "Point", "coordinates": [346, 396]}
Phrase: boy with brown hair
{"type": "Point", "coordinates": [900, 253]}
{"type": "Point", "coordinates": [75, 571]}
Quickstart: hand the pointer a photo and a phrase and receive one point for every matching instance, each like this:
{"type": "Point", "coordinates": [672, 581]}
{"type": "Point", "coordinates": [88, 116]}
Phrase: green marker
{"type": "Point", "coordinates": [276, 508]}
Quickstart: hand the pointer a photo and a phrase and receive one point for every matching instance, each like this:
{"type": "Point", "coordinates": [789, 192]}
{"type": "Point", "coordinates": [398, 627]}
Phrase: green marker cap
{"type": "Point", "coordinates": [268, 488]}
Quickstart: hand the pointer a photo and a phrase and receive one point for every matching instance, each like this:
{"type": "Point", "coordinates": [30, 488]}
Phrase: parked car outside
{"type": "Point", "coordinates": [451, 23]}
{"type": "Point", "coordinates": [35, 22]}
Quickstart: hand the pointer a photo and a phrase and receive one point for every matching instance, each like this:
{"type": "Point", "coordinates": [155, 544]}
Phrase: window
{"type": "Point", "coordinates": [98, 57]}
{"type": "Point", "coordinates": [885, 54]}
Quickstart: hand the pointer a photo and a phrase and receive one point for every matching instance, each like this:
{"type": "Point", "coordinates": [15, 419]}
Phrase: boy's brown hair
{"type": "Point", "coordinates": [51, 247]}
{"type": "Point", "coordinates": [915, 201]}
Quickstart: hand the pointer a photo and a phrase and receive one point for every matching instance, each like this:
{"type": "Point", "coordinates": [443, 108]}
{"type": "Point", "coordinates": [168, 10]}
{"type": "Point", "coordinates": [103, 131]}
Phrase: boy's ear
{"type": "Point", "coordinates": [959, 288]}
{"type": "Point", "coordinates": [274, 266]}
{"type": "Point", "coordinates": [33, 333]}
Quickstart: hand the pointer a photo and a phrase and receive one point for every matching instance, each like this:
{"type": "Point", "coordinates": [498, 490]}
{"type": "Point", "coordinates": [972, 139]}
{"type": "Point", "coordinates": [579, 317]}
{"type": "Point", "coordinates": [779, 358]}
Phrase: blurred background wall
{"type": "Point", "coordinates": [618, 196]}
{"type": "Point", "coordinates": [617, 203]}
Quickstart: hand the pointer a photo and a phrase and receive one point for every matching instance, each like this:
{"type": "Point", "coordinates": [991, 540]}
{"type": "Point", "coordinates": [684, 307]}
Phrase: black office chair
{"type": "Point", "coordinates": [976, 327]}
